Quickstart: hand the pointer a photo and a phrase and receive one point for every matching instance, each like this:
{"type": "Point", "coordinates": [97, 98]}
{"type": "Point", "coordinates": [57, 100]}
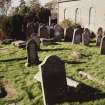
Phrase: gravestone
{"type": "Point", "coordinates": [37, 39]}
{"type": "Point", "coordinates": [102, 46]}
{"type": "Point", "coordinates": [99, 36]}
{"type": "Point", "coordinates": [32, 53]}
{"type": "Point", "coordinates": [77, 36]}
{"type": "Point", "coordinates": [54, 85]}
{"type": "Point", "coordinates": [69, 34]}
{"type": "Point", "coordinates": [86, 36]}
{"type": "Point", "coordinates": [51, 31]}
{"type": "Point", "coordinates": [32, 27]}
{"type": "Point", "coordinates": [58, 33]}
{"type": "Point", "coordinates": [44, 31]}
{"type": "Point", "coordinates": [36, 26]}
{"type": "Point", "coordinates": [98, 40]}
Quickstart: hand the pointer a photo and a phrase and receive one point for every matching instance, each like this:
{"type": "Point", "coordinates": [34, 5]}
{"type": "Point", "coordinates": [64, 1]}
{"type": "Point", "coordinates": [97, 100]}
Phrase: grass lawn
{"type": "Point", "coordinates": [12, 68]}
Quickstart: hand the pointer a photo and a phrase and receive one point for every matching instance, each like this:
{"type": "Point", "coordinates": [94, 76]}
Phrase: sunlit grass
{"type": "Point", "coordinates": [12, 67]}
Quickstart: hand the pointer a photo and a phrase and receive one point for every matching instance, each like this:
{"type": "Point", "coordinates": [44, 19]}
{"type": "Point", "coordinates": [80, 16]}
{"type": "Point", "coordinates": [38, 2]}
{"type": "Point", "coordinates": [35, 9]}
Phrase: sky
{"type": "Point", "coordinates": [16, 2]}
{"type": "Point", "coordinates": [43, 1]}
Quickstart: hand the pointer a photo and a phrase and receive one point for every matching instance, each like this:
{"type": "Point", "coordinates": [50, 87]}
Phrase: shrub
{"type": "Point", "coordinates": [15, 26]}
{"type": "Point", "coordinates": [12, 26]}
{"type": "Point", "coordinates": [5, 25]}
{"type": "Point", "coordinates": [68, 23]}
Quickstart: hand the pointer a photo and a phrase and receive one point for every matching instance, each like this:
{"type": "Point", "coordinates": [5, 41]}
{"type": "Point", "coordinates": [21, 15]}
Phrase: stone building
{"type": "Point", "coordinates": [89, 13]}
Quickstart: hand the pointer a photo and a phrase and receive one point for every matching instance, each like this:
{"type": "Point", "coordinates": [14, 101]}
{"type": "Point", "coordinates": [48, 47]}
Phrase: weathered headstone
{"type": "Point", "coordinates": [98, 40]}
{"type": "Point", "coordinates": [36, 26]}
{"type": "Point", "coordinates": [77, 36]}
{"type": "Point", "coordinates": [32, 27]}
{"type": "Point", "coordinates": [51, 31]}
{"type": "Point", "coordinates": [69, 34]}
{"type": "Point", "coordinates": [32, 53]}
{"type": "Point", "coordinates": [99, 36]}
{"type": "Point", "coordinates": [37, 39]}
{"type": "Point", "coordinates": [86, 36]}
{"type": "Point", "coordinates": [58, 32]}
{"type": "Point", "coordinates": [54, 85]}
{"type": "Point", "coordinates": [102, 46]}
{"type": "Point", "coordinates": [92, 34]}
{"type": "Point", "coordinates": [44, 31]}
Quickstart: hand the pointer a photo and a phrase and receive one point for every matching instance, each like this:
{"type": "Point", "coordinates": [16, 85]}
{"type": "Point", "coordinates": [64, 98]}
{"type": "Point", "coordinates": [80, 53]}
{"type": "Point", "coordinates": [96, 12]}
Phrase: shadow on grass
{"type": "Point", "coordinates": [93, 45]}
{"type": "Point", "coordinates": [54, 43]}
{"type": "Point", "coordinates": [56, 49]}
{"type": "Point", "coordinates": [85, 94]}
{"type": "Point", "coordinates": [93, 41]}
{"type": "Point", "coordinates": [82, 94]}
{"type": "Point", "coordinates": [14, 59]}
{"type": "Point", "coordinates": [73, 62]}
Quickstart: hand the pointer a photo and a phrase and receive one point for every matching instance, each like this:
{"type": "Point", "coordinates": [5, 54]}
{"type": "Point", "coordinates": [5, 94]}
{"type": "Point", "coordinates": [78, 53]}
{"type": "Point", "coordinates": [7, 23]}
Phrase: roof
{"type": "Point", "coordinates": [61, 1]}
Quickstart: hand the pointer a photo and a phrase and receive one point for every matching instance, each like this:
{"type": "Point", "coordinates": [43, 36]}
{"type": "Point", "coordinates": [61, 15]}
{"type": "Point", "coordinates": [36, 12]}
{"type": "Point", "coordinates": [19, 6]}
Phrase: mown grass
{"type": "Point", "coordinates": [12, 67]}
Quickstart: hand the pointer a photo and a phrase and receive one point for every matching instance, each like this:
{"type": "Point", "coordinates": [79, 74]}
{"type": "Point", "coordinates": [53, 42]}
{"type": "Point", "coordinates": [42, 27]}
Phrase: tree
{"type": "Point", "coordinates": [5, 25]}
{"type": "Point", "coordinates": [16, 27]}
{"type": "Point", "coordinates": [34, 6]}
{"type": "Point", "coordinates": [44, 15]}
{"type": "Point", "coordinates": [23, 10]}
{"type": "Point", "coordinates": [4, 5]}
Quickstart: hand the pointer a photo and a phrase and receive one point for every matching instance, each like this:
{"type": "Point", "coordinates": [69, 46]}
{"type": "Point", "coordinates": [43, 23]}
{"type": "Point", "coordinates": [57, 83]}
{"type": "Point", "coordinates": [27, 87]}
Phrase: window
{"type": "Point", "coordinates": [77, 15]}
{"type": "Point", "coordinates": [92, 18]}
{"type": "Point", "coordinates": [66, 14]}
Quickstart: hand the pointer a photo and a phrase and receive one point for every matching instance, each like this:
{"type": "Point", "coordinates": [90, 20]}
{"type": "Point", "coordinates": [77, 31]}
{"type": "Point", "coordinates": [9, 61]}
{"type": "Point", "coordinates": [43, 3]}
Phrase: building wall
{"type": "Point", "coordinates": [89, 13]}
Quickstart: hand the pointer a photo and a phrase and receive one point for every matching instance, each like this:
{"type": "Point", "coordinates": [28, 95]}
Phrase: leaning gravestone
{"type": "Point", "coordinates": [44, 31]}
{"type": "Point", "coordinates": [86, 36]}
{"type": "Point", "coordinates": [69, 34]}
{"type": "Point", "coordinates": [32, 53]}
{"type": "Point", "coordinates": [77, 36]}
{"type": "Point", "coordinates": [58, 32]}
{"type": "Point", "coordinates": [102, 46]}
{"type": "Point", "coordinates": [54, 85]}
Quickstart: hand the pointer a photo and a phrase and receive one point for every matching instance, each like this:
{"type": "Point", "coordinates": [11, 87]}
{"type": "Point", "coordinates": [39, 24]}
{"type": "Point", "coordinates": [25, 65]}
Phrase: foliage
{"type": "Point", "coordinates": [22, 10]}
{"type": "Point", "coordinates": [44, 15]}
{"type": "Point", "coordinates": [5, 24]}
{"type": "Point", "coordinates": [34, 6]}
{"type": "Point", "coordinates": [15, 25]}
{"type": "Point", "coordinates": [12, 26]}
{"type": "Point", "coordinates": [68, 23]}
{"type": "Point", "coordinates": [49, 5]}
